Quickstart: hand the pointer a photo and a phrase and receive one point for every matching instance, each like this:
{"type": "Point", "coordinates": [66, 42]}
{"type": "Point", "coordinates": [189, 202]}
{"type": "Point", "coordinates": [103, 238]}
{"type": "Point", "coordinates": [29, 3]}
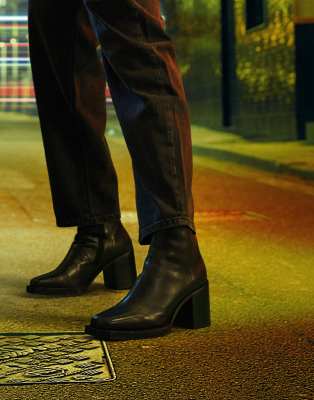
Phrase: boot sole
{"type": "Point", "coordinates": [193, 312]}
{"type": "Point", "coordinates": [57, 291]}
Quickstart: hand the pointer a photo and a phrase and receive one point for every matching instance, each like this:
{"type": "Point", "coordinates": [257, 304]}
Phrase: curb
{"type": "Point", "coordinates": [243, 159]}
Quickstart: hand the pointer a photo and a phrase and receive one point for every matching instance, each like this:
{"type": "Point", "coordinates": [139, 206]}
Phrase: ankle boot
{"type": "Point", "coordinates": [111, 252]}
{"type": "Point", "coordinates": [171, 290]}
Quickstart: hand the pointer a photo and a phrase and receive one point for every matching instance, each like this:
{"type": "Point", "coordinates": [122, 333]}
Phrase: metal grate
{"type": "Point", "coordinates": [53, 358]}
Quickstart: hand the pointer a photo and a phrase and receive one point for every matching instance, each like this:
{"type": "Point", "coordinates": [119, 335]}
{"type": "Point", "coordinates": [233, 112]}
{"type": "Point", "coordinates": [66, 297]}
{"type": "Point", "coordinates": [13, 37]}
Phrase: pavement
{"type": "Point", "coordinates": [292, 157]}
{"type": "Point", "coordinates": [255, 228]}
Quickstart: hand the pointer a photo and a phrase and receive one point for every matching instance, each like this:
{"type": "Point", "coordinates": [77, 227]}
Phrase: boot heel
{"type": "Point", "coordinates": [121, 273]}
{"type": "Point", "coordinates": [195, 312]}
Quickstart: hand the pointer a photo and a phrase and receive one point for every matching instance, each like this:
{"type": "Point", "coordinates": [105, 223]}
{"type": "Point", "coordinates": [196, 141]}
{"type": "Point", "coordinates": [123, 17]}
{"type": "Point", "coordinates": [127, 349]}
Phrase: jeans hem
{"type": "Point", "coordinates": [145, 233]}
{"type": "Point", "coordinates": [86, 220]}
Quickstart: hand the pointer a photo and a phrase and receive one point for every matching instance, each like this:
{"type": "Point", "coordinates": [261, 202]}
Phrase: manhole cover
{"type": "Point", "coordinates": [53, 358]}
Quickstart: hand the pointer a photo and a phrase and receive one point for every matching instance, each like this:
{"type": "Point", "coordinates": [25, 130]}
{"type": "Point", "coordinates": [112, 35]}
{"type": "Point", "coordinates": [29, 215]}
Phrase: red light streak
{"type": "Point", "coordinates": [8, 91]}
{"type": "Point", "coordinates": [8, 26]}
{"type": "Point", "coordinates": [12, 91]}
{"type": "Point", "coordinates": [13, 45]}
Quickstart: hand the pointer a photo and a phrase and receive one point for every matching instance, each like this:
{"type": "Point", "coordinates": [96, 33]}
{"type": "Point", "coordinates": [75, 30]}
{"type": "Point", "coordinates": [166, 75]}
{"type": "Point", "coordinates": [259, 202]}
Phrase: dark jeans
{"type": "Point", "coordinates": [138, 61]}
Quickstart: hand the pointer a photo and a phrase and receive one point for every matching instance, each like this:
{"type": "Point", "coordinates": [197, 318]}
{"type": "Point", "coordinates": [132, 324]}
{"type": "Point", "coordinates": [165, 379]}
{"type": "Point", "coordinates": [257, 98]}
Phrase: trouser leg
{"type": "Point", "coordinates": [150, 102]}
{"type": "Point", "coordinates": [69, 81]}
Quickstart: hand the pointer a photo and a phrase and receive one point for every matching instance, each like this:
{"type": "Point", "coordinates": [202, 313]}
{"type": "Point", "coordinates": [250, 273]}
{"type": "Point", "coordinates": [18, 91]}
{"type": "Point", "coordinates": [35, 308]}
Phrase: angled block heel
{"type": "Point", "coordinates": [121, 273]}
{"type": "Point", "coordinates": [195, 312]}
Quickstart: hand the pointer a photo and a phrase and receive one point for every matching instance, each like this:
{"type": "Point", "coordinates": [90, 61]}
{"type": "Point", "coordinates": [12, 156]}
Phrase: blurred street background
{"type": "Point", "coordinates": [247, 68]}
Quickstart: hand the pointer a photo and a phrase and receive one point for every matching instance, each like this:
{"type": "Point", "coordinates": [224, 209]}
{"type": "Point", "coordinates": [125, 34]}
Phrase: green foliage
{"type": "Point", "coordinates": [190, 23]}
{"type": "Point", "coordinates": [194, 27]}
{"type": "Point", "coordinates": [13, 6]}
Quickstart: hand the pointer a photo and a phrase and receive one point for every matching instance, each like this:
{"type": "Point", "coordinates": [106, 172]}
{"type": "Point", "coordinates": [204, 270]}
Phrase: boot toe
{"type": "Point", "coordinates": [105, 321]}
{"type": "Point", "coordinates": [48, 284]}
{"type": "Point", "coordinates": [113, 319]}
{"type": "Point", "coordinates": [110, 321]}
{"type": "Point", "coordinates": [39, 281]}
{"type": "Point", "coordinates": [44, 282]}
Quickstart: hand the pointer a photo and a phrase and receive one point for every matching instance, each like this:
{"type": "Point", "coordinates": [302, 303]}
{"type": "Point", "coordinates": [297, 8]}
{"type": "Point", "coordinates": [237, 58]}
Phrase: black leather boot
{"type": "Point", "coordinates": [171, 290]}
{"type": "Point", "coordinates": [88, 255]}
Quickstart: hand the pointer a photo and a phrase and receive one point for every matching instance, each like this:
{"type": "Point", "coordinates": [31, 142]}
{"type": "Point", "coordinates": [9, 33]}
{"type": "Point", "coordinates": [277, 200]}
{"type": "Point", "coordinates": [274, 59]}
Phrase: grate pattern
{"type": "Point", "coordinates": [53, 358]}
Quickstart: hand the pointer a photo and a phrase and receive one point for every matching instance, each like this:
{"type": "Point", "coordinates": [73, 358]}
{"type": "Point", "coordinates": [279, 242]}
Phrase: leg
{"type": "Point", "coordinates": [69, 82]}
{"type": "Point", "coordinates": [150, 102]}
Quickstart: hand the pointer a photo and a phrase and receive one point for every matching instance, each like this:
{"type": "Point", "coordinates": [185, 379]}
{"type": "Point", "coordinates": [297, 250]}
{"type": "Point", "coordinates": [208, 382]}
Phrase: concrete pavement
{"type": "Point", "coordinates": [295, 158]}
{"type": "Point", "coordinates": [256, 231]}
